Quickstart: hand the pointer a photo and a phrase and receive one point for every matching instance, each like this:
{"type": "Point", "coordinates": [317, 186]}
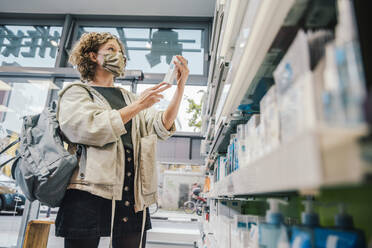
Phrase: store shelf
{"type": "Point", "coordinates": [209, 240]}
{"type": "Point", "coordinates": [222, 138]}
{"type": "Point", "coordinates": [247, 82]}
{"type": "Point", "coordinates": [269, 20]}
{"type": "Point", "coordinates": [318, 158]}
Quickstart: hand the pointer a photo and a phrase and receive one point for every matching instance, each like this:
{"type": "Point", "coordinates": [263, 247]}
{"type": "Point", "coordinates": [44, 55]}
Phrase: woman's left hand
{"type": "Point", "coordinates": [183, 71]}
{"type": "Point", "coordinates": [171, 112]}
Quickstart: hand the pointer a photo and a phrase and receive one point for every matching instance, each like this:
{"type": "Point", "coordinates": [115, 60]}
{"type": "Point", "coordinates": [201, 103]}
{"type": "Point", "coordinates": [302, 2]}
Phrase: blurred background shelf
{"type": "Point", "coordinates": [323, 157]}
{"type": "Point", "coordinates": [237, 86]}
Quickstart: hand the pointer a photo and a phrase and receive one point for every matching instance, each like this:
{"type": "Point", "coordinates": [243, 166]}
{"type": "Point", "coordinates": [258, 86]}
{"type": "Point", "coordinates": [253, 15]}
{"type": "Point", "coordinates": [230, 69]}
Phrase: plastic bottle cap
{"type": "Point", "coordinates": [343, 219]}
{"type": "Point", "coordinates": [309, 217]}
{"type": "Point", "coordinates": [273, 215]}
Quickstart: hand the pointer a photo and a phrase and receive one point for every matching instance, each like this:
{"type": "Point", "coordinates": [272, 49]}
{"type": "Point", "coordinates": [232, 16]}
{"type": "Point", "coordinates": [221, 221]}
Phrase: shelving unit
{"type": "Point", "coordinates": [267, 32]}
{"type": "Point", "coordinates": [273, 29]}
{"type": "Point", "coordinates": [269, 20]}
{"type": "Point", "coordinates": [321, 157]}
{"type": "Point", "coordinates": [310, 161]}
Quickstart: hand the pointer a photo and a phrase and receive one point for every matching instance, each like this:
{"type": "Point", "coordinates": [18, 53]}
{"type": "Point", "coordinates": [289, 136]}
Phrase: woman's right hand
{"type": "Point", "coordinates": [152, 95]}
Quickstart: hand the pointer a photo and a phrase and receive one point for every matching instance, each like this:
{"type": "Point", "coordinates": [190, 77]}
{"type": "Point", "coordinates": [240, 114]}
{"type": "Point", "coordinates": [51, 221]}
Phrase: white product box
{"type": "Point", "coordinates": [260, 139]}
{"type": "Point", "coordinates": [295, 90]}
{"type": "Point", "coordinates": [252, 138]}
{"type": "Point", "coordinates": [241, 227]}
{"type": "Point", "coordinates": [242, 148]}
{"type": "Point", "coordinates": [221, 166]}
{"type": "Point", "coordinates": [270, 120]}
{"type": "Point", "coordinates": [171, 75]}
{"type": "Point", "coordinates": [295, 63]}
{"type": "Point", "coordinates": [297, 108]}
{"type": "Point", "coordinates": [239, 237]}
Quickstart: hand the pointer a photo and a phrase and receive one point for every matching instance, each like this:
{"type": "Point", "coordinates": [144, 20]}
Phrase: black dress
{"type": "Point", "coordinates": [84, 215]}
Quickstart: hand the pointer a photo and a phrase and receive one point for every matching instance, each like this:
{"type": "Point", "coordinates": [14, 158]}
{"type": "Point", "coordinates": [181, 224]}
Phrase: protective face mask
{"type": "Point", "coordinates": [114, 63]}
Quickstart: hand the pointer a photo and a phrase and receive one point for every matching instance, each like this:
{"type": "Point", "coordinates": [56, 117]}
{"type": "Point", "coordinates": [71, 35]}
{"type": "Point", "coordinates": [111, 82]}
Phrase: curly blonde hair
{"type": "Point", "coordinates": [89, 42]}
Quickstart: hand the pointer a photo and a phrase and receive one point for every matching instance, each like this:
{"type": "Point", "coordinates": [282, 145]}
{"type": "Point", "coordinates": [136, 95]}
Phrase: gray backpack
{"type": "Point", "coordinates": [43, 167]}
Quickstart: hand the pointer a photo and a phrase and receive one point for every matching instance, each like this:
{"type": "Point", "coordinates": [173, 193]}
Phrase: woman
{"type": "Point", "coordinates": [113, 124]}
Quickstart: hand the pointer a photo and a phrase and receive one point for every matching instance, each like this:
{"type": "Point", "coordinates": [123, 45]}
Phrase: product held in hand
{"type": "Point", "coordinates": [172, 72]}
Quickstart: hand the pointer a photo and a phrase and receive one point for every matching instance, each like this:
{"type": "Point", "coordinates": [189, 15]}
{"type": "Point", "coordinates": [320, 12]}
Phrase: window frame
{"type": "Point", "coordinates": [70, 26]}
{"type": "Point", "coordinates": [155, 22]}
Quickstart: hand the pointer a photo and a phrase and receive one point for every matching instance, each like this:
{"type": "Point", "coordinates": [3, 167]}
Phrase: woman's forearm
{"type": "Point", "coordinates": [128, 112]}
{"type": "Point", "coordinates": [171, 112]}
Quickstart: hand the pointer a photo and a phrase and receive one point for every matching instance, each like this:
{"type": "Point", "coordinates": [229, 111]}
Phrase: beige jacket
{"type": "Point", "coordinates": [95, 124]}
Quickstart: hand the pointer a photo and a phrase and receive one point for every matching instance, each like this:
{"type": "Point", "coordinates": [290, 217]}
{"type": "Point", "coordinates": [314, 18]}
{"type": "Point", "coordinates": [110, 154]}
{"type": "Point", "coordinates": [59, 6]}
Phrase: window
{"type": "Point", "coordinates": [29, 46]}
{"type": "Point", "coordinates": [151, 50]}
{"type": "Point", "coordinates": [20, 97]}
{"type": "Point", "coordinates": [191, 92]}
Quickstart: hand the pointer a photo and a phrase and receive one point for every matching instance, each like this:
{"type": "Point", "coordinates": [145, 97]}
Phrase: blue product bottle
{"type": "Point", "coordinates": [236, 153]}
{"type": "Point", "coordinates": [270, 232]}
{"type": "Point", "coordinates": [342, 236]}
{"type": "Point", "coordinates": [303, 236]}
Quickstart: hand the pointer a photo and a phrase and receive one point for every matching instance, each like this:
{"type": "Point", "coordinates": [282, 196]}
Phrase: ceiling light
{"type": "Point", "coordinates": [54, 43]}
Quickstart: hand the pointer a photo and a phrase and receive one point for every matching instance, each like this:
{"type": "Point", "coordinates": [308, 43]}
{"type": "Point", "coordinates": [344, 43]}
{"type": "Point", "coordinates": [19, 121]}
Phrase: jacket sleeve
{"type": "Point", "coordinates": [154, 124]}
{"type": "Point", "coordinates": [85, 122]}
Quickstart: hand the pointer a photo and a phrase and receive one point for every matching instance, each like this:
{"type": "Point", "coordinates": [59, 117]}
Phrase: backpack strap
{"type": "Point", "coordinates": [60, 94]}
{"type": "Point", "coordinates": [143, 226]}
{"type": "Point", "coordinates": [7, 148]}
{"type": "Point", "coordinates": [81, 151]}
{"type": "Point", "coordinates": [10, 145]}
{"type": "Point", "coordinates": [112, 220]}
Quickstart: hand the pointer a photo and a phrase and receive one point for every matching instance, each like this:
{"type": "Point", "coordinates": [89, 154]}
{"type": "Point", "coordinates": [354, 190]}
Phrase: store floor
{"type": "Point", "coordinates": [171, 229]}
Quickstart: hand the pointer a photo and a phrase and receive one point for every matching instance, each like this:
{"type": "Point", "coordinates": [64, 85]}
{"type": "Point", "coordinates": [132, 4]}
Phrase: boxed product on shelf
{"type": "Point", "coordinates": [270, 119]}
{"type": "Point", "coordinates": [252, 138]}
{"type": "Point", "coordinates": [297, 108]}
{"type": "Point", "coordinates": [295, 89]}
{"type": "Point", "coordinates": [239, 235]}
{"type": "Point", "coordinates": [215, 173]}
{"type": "Point", "coordinates": [295, 63]}
{"type": "Point", "coordinates": [235, 153]}
{"type": "Point", "coordinates": [260, 130]}
{"type": "Point", "coordinates": [212, 181]}
{"type": "Point", "coordinates": [344, 85]}
{"type": "Point", "coordinates": [241, 144]}
{"type": "Point", "coordinates": [223, 231]}
{"type": "Point", "coordinates": [221, 167]}
{"type": "Point", "coordinates": [241, 228]}
{"type": "Point", "coordinates": [232, 154]}
{"type": "Point", "coordinates": [248, 145]}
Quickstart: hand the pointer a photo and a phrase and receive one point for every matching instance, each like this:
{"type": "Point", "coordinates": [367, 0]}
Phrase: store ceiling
{"type": "Point", "coordinates": [201, 8]}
